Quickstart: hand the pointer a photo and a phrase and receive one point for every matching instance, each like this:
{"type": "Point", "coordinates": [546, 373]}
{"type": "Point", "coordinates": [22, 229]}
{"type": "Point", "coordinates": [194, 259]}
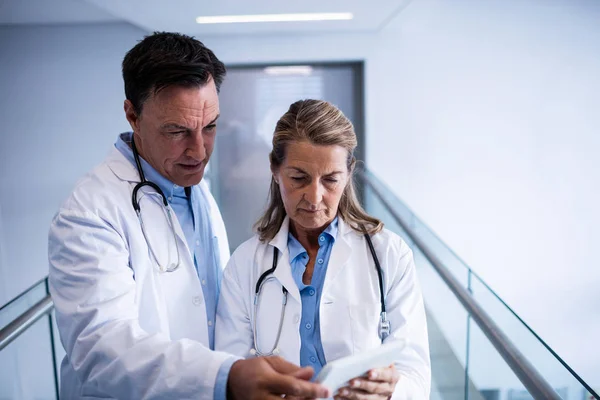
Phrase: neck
{"type": "Point", "coordinates": [308, 238]}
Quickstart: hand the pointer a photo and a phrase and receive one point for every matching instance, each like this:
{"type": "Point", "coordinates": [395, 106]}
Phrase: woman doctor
{"type": "Point", "coordinates": [307, 286]}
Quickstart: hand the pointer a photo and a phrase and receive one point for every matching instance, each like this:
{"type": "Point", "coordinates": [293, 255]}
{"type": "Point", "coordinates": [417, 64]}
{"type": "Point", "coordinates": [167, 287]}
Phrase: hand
{"type": "Point", "coordinates": [270, 378]}
{"type": "Point", "coordinates": [377, 384]}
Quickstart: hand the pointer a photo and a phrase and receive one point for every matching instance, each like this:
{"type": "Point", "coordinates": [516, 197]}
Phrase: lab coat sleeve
{"type": "Point", "coordinates": [406, 311]}
{"type": "Point", "coordinates": [233, 332]}
{"type": "Point", "coordinates": [93, 289]}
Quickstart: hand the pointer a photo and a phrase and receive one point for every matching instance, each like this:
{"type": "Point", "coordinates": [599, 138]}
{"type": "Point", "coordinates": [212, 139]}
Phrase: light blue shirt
{"type": "Point", "coordinates": [311, 348]}
{"type": "Point", "coordinates": [194, 217]}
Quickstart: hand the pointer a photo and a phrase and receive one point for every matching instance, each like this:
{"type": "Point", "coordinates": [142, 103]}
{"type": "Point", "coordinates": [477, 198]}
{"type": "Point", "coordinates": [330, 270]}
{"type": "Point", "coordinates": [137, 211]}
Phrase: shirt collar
{"type": "Point", "coordinates": [169, 188]}
{"type": "Point", "coordinates": [329, 234]}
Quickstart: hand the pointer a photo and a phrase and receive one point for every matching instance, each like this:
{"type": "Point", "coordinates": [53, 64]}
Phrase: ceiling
{"type": "Point", "coordinates": [180, 15]}
{"type": "Point", "coordinates": [52, 12]}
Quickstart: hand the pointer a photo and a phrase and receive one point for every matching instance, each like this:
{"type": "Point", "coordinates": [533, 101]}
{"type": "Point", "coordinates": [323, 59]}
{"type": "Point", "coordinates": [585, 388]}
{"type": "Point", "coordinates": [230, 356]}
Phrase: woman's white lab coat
{"type": "Point", "coordinates": [129, 331]}
{"type": "Point", "coordinates": [350, 303]}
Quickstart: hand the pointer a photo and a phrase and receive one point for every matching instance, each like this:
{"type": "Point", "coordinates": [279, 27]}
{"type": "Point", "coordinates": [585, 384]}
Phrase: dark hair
{"type": "Point", "coordinates": [164, 59]}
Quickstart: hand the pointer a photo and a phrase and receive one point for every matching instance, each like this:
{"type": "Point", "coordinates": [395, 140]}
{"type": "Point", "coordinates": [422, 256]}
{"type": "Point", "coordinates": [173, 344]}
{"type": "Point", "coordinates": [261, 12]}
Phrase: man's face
{"type": "Point", "coordinates": [175, 132]}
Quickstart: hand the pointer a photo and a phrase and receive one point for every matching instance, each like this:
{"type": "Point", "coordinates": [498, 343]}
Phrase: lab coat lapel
{"type": "Point", "coordinates": [283, 272]}
{"type": "Point", "coordinates": [340, 254]}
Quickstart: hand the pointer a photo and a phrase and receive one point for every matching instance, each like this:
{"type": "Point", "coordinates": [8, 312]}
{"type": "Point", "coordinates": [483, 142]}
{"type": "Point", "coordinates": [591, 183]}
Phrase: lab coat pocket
{"type": "Point", "coordinates": [364, 324]}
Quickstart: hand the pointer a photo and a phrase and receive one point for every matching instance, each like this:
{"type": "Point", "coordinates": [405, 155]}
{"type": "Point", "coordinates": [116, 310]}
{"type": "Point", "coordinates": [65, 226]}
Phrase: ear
{"type": "Point", "coordinates": [275, 174]}
{"type": "Point", "coordinates": [131, 115]}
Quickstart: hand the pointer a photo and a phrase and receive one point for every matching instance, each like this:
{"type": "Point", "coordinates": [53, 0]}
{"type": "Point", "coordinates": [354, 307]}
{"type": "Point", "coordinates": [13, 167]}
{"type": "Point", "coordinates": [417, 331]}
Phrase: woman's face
{"type": "Point", "coordinates": [311, 182]}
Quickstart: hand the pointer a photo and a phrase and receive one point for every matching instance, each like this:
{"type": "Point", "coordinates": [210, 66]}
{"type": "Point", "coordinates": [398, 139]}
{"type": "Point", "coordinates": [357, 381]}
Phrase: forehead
{"type": "Point", "coordinates": [315, 158]}
{"type": "Point", "coordinates": [187, 102]}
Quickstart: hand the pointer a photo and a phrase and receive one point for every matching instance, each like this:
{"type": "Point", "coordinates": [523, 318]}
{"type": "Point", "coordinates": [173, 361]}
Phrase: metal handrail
{"type": "Point", "coordinates": [25, 320]}
{"type": "Point", "coordinates": [537, 386]}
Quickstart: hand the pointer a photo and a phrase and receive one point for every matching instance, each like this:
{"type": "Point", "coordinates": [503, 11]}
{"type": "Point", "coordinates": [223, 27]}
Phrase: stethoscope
{"type": "Point", "coordinates": [170, 267]}
{"type": "Point", "coordinates": [384, 324]}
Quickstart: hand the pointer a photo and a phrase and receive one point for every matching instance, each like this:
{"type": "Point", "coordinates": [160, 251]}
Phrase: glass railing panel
{"type": "Point", "coordinates": [489, 376]}
{"type": "Point", "coordinates": [446, 317]}
{"type": "Point", "coordinates": [26, 370]}
{"type": "Point", "coordinates": [546, 364]}
{"type": "Point", "coordinates": [26, 364]}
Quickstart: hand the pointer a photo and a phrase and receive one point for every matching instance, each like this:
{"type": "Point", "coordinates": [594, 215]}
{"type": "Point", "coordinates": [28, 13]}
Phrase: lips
{"type": "Point", "coordinates": [191, 167]}
{"type": "Point", "coordinates": [310, 211]}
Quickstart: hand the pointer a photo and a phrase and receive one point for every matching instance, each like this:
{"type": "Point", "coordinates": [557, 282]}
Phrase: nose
{"type": "Point", "coordinates": [314, 194]}
{"type": "Point", "coordinates": [195, 148]}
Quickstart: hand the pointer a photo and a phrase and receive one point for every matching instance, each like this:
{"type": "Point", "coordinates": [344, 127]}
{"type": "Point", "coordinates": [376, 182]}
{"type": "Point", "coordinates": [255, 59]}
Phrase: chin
{"type": "Point", "coordinates": [186, 181]}
{"type": "Point", "coordinates": [315, 222]}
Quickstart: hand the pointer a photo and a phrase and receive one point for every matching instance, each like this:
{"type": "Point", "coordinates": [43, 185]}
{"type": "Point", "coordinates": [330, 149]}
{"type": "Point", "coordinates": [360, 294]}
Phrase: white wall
{"type": "Point", "coordinates": [483, 116]}
{"type": "Point", "coordinates": [61, 109]}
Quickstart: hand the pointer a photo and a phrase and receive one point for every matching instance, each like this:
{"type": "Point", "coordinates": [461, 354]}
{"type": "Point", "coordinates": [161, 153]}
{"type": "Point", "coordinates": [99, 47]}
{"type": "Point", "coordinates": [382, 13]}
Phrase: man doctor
{"type": "Point", "coordinates": [135, 269]}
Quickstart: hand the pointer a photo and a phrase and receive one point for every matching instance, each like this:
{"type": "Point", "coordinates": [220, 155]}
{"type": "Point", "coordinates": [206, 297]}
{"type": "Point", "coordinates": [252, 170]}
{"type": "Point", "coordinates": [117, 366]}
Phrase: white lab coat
{"type": "Point", "coordinates": [129, 331]}
{"type": "Point", "coordinates": [350, 303]}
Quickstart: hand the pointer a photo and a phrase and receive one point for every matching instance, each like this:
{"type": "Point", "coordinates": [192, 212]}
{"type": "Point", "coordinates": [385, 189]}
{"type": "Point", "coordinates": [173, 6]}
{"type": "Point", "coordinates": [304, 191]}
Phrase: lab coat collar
{"type": "Point", "coordinates": [340, 254]}
{"type": "Point", "coordinates": [122, 167]}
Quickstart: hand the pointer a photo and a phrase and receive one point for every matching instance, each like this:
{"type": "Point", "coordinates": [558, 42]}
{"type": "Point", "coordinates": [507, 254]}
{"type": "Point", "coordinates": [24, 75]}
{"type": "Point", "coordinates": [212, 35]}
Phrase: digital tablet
{"type": "Point", "coordinates": [336, 374]}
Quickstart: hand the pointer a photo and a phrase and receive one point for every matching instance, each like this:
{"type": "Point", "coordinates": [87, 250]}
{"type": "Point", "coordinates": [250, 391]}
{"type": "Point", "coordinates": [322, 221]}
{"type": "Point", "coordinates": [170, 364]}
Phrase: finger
{"type": "Point", "coordinates": [384, 388]}
{"type": "Point", "coordinates": [387, 374]}
{"type": "Point", "coordinates": [303, 373]}
{"type": "Point", "coordinates": [282, 366]}
{"type": "Point", "coordinates": [291, 386]}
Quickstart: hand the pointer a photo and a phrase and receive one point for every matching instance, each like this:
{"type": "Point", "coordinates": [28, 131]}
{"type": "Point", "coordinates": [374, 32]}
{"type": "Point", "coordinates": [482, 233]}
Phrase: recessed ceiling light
{"type": "Point", "coordinates": [237, 19]}
{"type": "Point", "coordinates": [289, 70]}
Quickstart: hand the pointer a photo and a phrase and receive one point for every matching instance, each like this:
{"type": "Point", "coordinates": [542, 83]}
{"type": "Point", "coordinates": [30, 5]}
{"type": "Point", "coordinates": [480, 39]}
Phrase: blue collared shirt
{"type": "Point", "coordinates": [311, 348]}
{"type": "Point", "coordinates": [194, 217]}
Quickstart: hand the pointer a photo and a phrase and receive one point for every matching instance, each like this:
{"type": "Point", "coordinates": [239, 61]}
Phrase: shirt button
{"type": "Point", "coordinates": [204, 282]}
{"type": "Point", "coordinates": [175, 186]}
{"type": "Point", "coordinates": [313, 359]}
{"type": "Point", "coordinates": [308, 326]}
{"type": "Point", "coordinates": [209, 323]}
{"type": "Point", "coordinates": [311, 292]}
{"type": "Point", "coordinates": [169, 198]}
{"type": "Point", "coordinates": [320, 261]}
{"type": "Point", "coordinates": [296, 319]}
{"type": "Point", "coordinates": [321, 238]}
{"type": "Point", "coordinates": [197, 300]}
{"type": "Point", "coordinates": [197, 243]}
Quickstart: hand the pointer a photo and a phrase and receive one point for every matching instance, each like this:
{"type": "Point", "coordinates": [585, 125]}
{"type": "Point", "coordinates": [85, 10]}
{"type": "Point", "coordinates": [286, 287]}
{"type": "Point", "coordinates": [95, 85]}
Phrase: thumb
{"type": "Point", "coordinates": [303, 373]}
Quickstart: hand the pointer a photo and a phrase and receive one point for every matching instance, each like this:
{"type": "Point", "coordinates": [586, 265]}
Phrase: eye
{"type": "Point", "coordinates": [297, 178]}
{"type": "Point", "coordinates": [211, 127]}
{"type": "Point", "coordinates": [175, 133]}
{"type": "Point", "coordinates": [331, 180]}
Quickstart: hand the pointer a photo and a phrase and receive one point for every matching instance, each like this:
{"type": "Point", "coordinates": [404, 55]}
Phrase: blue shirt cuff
{"type": "Point", "coordinates": [220, 392]}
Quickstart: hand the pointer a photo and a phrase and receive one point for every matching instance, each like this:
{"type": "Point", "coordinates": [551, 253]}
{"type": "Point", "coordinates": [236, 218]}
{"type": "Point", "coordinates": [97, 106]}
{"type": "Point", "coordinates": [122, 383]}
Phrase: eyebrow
{"type": "Point", "coordinates": [304, 172]}
{"type": "Point", "coordinates": [174, 126]}
{"type": "Point", "coordinates": [183, 127]}
{"type": "Point", "coordinates": [214, 120]}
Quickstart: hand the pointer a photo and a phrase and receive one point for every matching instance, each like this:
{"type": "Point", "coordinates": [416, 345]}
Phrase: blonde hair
{"type": "Point", "coordinates": [319, 123]}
